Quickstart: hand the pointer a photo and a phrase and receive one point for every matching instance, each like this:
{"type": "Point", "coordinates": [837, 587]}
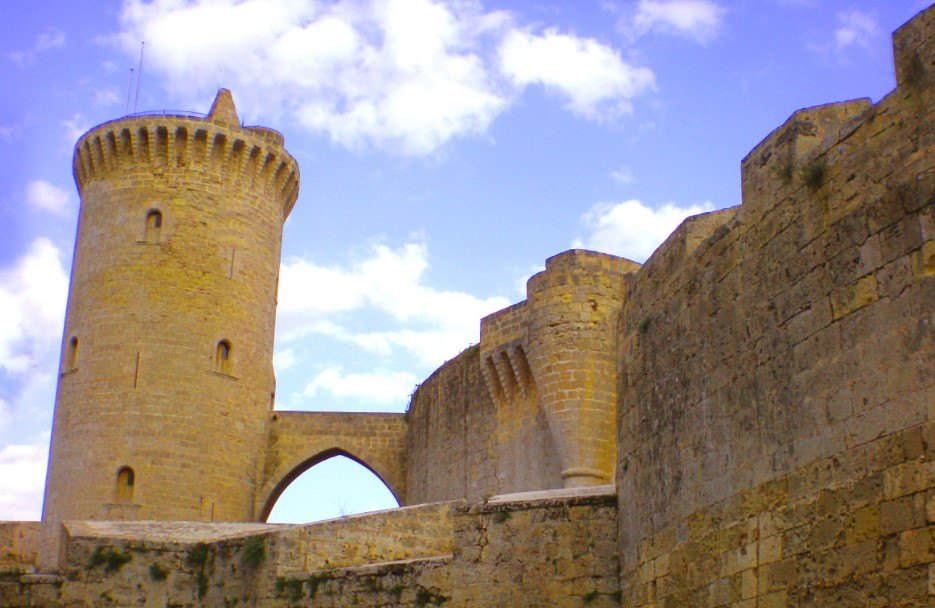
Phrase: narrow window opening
{"type": "Point", "coordinates": [222, 360]}
{"type": "Point", "coordinates": [153, 226]}
{"type": "Point", "coordinates": [71, 357]}
{"type": "Point", "coordinates": [126, 480]}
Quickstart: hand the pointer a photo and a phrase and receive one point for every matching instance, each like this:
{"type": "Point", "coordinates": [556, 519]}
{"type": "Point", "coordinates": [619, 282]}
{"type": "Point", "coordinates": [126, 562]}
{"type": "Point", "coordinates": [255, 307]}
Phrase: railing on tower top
{"type": "Point", "coordinates": [185, 113]}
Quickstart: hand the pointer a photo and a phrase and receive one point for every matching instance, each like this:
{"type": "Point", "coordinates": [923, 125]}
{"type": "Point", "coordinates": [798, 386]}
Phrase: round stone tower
{"type": "Point", "coordinates": [166, 376]}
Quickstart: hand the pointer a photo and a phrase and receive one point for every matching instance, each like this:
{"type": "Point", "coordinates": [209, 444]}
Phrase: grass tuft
{"type": "Point", "coordinates": [157, 572]}
{"type": "Point", "coordinates": [254, 551]}
{"type": "Point", "coordinates": [814, 175]}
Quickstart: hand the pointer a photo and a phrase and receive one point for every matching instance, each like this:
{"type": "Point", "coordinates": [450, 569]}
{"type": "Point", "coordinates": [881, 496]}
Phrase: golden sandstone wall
{"type": "Point", "coordinates": [451, 448]}
{"type": "Point", "coordinates": [452, 554]}
{"type": "Point", "coordinates": [776, 437]}
{"type": "Point", "coordinates": [19, 545]}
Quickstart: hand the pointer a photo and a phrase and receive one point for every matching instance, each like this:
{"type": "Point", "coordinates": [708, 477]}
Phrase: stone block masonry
{"type": "Point", "coordinates": [451, 449]}
{"type": "Point", "coordinates": [853, 531]}
{"type": "Point", "coordinates": [19, 545]}
{"type": "Point", "coordinates": [553, 549]}
{"type": "Point", "coordinates": [778, 381]}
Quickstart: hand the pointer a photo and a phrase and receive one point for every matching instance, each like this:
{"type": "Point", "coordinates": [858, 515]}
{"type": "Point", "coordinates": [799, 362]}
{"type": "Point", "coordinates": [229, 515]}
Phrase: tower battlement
{"type": "Point", "coordinates": [216, 145]}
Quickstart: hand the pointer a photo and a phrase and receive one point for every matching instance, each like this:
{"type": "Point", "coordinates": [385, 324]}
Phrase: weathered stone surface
{"type": "Point", "coordinates": [773, 408]}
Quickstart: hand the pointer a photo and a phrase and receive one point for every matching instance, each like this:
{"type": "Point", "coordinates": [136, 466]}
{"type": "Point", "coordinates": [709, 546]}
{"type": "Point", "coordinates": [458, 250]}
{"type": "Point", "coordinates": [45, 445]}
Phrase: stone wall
{"type": "Point", "coordinates": [384, 536]}
{"type": "Point", "coordinates": [855, 529]}
{"type": "Point", "coordinates": [777, 384]}
{"type": "Point", "coordinates": [402, 584]}
{"type": "Point", "coordinates": [19, 545]}
{"type": "Point", "coordinates": [552, 549]}
{"type": "Point", "coordinates": [451, 449]}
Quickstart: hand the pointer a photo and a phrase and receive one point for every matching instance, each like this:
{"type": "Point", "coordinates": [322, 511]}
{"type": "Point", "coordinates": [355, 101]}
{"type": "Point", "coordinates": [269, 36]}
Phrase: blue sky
{"type": "Point", "coordinates": [446, 150]}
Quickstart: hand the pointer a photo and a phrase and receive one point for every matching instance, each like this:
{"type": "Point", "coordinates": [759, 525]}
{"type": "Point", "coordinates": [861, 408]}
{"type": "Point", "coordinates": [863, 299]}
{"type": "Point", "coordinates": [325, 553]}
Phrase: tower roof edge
{"type": "Point", "coordinates": [223, 108]}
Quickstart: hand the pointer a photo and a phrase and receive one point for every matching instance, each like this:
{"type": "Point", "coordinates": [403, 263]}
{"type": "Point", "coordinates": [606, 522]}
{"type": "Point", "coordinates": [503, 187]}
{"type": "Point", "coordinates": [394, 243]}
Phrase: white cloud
{"type": "Point", "coordinates": [22, 481]}
{"type": "Point", "coordinates": [379, 388]}
{"type": "Point", "coordinates": [631, 229]}
{"type": "Point", "coordinates": [623, 174]}
{"type": "Point", "coordinates": [432, 325]}
{"type": "Point", "coordinates": [8, 132]}
{"type": "Point", "coordinates": [855, 28]}
{"type": "Point", "coordinates": [698, 19]}
{"type": "Point", "coordinates": [593, 78]}
{"type": "Point", "coordinates": [106, 97]}
{"type": "Point", "coordinates": [32, 298]}
{"type": "Point", "coordinates": [75, 127]}
{"type": "Point", "coordinates": [51, 38]}
{"type": "Point", "coordinates": [32, 301]}
{"type": "Point", "coordinates": [283, 359]}
{"type": "Point", "coordinates": [405, 75]}
{"type": "Point", "coordinates": [44, 196]}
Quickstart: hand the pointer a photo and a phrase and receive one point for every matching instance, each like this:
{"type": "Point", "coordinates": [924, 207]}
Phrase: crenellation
{"type": "Point", "coordinates": [126, 146]}
{"type": "Point", "coordinates": [914, 55]}
{"type": "Point", "coordinates": [142, 145]}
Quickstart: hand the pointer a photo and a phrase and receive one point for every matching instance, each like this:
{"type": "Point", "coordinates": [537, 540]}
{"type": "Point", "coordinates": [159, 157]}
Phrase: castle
{"type": "Point", "coordinates": [746, 420]}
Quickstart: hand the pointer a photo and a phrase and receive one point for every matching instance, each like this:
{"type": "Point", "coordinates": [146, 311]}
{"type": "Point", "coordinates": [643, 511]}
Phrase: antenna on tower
{"type": "Point", "coordinates": [139, 76]}
{"type": "Point", "coordinates": [129, 90]}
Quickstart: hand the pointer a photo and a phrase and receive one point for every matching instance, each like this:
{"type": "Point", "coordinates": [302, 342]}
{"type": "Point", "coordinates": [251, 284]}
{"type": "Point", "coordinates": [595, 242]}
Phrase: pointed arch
{"type": "Point", "coordinates": [275, 489]}
{"type": "Point", "coordinates": [299, 440]}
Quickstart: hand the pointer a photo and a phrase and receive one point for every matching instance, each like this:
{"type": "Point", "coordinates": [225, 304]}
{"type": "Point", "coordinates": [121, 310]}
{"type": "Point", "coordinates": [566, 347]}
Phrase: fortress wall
{"type": "Point", "coordinates": [397, 534]}
{"type": "Point", "coordinates": [452, 435]}
{"type": "Point", "coordinates": [402, 584]}
{"type": "Point", "coordinates": [19, 545]}
{"type": "Point", "coordinates": [557, 552]}
{"type": "Point", "coordinates": [504, 326]}
{"type": "Point", "coordinates": [202, 564]}
{"type": "Point", "coordinates": [776, 436]}
{"type": "Point", "coordinates": [98, 570]}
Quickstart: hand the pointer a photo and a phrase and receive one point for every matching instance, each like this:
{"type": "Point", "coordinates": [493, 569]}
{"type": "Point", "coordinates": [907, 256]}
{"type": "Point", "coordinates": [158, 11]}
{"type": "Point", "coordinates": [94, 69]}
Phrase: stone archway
{"type": "Point", "coordinates": [300, 440]}
{"type": "Point", "coordinates": [271, 496]}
